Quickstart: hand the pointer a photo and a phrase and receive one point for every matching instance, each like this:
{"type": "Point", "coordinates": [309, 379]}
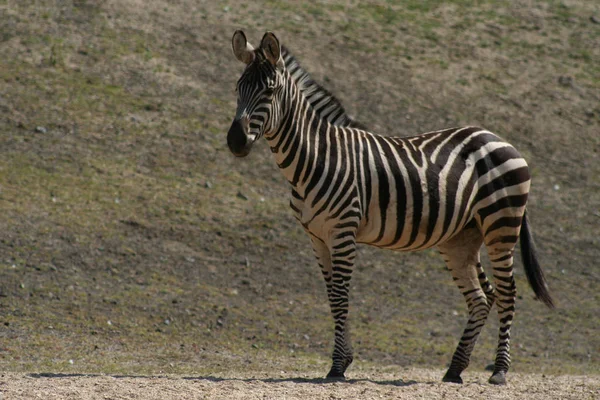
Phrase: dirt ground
{"type": "Point", "coordinates": [415, 384]}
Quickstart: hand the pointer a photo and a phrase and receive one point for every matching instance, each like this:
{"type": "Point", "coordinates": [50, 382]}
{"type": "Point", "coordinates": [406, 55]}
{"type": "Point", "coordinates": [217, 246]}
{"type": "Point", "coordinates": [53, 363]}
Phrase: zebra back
{"type": "Point", "coordinates": [322, 100]}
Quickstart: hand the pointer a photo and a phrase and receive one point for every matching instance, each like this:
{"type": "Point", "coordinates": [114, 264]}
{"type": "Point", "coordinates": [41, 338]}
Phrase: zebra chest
{"type": "Point", "coordinates": [313, 222]}
{"type": "Point", "coordinates": [299, 207]}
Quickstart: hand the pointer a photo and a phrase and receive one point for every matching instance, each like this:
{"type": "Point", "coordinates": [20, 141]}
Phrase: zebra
{"type": "Point", "coordinates": [455, 189]}
{"type": "Point", "coordinates": [328, 107]}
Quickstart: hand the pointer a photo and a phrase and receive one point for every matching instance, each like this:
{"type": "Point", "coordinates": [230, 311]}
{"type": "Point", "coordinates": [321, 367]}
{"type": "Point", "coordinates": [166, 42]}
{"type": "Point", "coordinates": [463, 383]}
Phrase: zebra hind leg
{"type": "Point", "coordinates": [461, 255]}
{"type": "Point", "coordinates": [500, 238]}
{"type": "Point", "coordinates": [506, 293]}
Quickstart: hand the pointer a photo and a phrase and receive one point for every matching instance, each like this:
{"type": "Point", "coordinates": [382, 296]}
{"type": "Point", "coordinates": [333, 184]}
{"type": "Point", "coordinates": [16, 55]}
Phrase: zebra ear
{"type": "Point", "coordinates": [241, 48]}
{"type": "Point", "coordinates": [272, 49]}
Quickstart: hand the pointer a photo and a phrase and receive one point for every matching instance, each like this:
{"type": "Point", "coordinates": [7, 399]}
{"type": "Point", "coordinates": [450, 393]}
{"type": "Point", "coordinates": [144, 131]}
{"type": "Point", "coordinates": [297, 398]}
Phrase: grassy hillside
{"type": "Point", "coordinates": [132, 241]}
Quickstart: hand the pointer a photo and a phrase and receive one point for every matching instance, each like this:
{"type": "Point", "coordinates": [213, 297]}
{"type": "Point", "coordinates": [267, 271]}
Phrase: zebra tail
{"type": "Point", "coordinates": [534, 272]}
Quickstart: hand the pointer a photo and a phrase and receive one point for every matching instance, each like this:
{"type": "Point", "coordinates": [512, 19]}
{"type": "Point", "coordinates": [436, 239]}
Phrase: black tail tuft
{"type": "Point", "coordinates": [534, 272]}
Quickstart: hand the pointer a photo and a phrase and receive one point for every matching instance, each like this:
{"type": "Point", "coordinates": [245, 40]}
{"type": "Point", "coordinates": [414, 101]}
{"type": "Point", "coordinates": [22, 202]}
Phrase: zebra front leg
{"type": "Point", "coordinates": [336, 264]}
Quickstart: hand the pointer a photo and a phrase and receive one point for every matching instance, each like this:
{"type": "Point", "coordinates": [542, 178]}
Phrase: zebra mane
{"type": "Point", "coordinates": [323, 101]}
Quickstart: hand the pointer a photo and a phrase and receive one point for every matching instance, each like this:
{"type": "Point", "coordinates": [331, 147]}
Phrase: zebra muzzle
{"type": "Point", "coordinates": [237, 140]}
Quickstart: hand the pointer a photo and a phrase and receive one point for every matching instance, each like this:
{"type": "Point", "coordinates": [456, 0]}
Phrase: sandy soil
{"type": "Point", "coordinates": [416, 384]}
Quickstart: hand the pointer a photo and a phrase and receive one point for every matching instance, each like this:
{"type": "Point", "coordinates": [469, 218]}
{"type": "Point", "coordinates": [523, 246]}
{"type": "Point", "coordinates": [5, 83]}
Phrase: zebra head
{"type": "Point", "coordinates": [258, 91]}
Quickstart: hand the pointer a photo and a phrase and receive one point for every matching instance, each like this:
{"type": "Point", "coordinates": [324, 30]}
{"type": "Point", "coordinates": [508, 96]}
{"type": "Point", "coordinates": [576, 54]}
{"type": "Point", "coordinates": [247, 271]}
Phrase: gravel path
{"type": "Point", "coordinates": [417, 384]}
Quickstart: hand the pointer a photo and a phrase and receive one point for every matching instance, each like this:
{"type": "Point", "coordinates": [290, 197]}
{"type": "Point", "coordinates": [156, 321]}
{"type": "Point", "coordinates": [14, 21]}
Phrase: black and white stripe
{"type": "Point", "coordinates": [328, 107]}
{"type": "Point", "coordinates": [455, 189]}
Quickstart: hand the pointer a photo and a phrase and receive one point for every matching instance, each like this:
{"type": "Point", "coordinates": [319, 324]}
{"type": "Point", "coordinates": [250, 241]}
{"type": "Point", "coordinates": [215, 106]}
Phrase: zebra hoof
{"type": "Point", "coordinates": [335, 375]}
{"type": "Point", "coordinates": [498, 378]}
{"type": "Point", "coordinates": [452, 377]}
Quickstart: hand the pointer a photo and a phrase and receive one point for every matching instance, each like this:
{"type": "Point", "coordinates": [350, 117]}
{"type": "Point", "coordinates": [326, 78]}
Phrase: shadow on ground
{"type": "Point", "coordinates": [316, 381]}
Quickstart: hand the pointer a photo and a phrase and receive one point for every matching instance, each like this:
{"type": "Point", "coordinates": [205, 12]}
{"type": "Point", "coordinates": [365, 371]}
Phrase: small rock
{"type": "Point", "coordinates": [556, 187]}
{"type": "Point", "coordinates": [41, 129]}
{"type": "Point", "coordinates": [167, 322]}
{"type": "Point", "coordinates": [594, 19]}
{"type": "Point", "coordinates": [208, 185]}
{"type": "Point", "coordinates": [242, 196]}
{"type": "Point", "coordinates": [490, 367]}
{"type": "Point", "coordinates": [71, 362]}
{"type": "Point", "coordinates": [565, 80]}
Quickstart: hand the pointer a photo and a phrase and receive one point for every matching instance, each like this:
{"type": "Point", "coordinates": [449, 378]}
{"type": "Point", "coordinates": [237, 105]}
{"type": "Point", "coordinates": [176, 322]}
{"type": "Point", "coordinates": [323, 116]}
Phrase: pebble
{"type": "Point", "coordinates": [41, 129]}
{"type": "Point", "coordinates": [565, 80]}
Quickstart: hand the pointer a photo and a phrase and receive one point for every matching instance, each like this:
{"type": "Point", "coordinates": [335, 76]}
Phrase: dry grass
{"type": "Point", "coordinates": [126, 208]}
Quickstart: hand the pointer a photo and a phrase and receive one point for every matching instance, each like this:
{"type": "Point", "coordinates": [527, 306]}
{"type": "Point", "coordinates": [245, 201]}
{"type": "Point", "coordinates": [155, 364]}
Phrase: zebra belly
{"type": "Point", "coordinates": [426, 213]}
{"type": "Point", "coordinates": [412, 238]}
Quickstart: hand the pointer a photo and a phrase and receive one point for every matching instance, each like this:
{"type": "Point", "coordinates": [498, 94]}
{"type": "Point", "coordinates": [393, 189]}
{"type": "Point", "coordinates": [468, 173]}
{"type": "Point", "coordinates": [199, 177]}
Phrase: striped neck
{"type": "Point", "coordinates": [295, 141]}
